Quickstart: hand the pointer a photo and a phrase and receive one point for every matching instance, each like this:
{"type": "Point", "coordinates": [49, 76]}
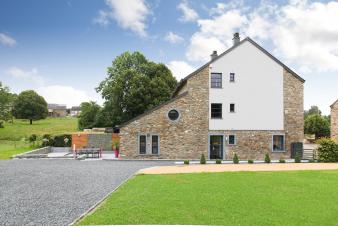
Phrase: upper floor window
{"type": "Point", "coordinates": [232, 107]}
{"type": "Point", "coordinates": [232, 77]}
{"type": "Point", "coordinates": [216, 110]}
{"type": "Point", "coordinates": [216, 80]}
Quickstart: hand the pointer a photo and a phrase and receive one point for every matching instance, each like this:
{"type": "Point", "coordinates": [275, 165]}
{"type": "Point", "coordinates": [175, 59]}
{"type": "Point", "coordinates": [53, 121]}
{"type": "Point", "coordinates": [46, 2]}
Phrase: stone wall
{"type": "Point", "coordinates": [293, 110]}
{"type": "Point", "coordinates": [334, 120]}
{"type": "Point", "coordinates": [251, 144]}
{"type": "Point", "coordinates": [185, 139]}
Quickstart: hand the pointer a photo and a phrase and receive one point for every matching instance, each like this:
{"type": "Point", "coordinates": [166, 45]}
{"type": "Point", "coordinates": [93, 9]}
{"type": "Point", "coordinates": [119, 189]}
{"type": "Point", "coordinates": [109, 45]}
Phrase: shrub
{"type": "Point", "coordinates": [47, 140]}
{"type": "Point", "coordinates": [282, 161]}
{"type": "Point", "coordinates": [250, 161]}
{"type": "Point", "coordinates": [311, 160]}
{"type": "Point", "coordinates": [64, 140]}
{"type": "Point", "coordinates": [218, 161]}
{"type": "Point", "coordinates": [32, 138]}
{"type": "Point", "coordinates": [186, 162]}
{"type": "Point", "coordinates": [298, 158]}
{"type": "Point", "coordinates": [327, 150]}
{"type": "Point", "coordinates": [2, 124]}
{"type": "Point", "coordinates": [267, 158]}
{"type": "Point", "coordinates": [203, 161]}
{"type": "Point", "coordinates": [236, 159]}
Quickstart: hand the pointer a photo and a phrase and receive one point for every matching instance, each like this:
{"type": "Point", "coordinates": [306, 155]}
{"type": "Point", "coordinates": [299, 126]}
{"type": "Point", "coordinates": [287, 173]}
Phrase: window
{"type": "Point", "coordinates": [232, 108]}
{"type": "Point", "coordinates": [173, 115]}
{"type": "Point", "coordinates": [278, 143]}
{"type": "Point", "coordinates": [154, 144]}
{"type": "Point", "coordinates": [216, 80]}
{"type": "Point", "coordinates": [232, 140]}
{"type": "Point", "coordinates": [143, 144]}
{"type": "Point", "coordinates": [232, 77]}
{"type": "Point", "coordinates": [216, 110]}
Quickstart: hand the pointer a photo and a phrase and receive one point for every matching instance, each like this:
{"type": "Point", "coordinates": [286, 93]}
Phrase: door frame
{"type": "Point", "coordinates": [216, 134]}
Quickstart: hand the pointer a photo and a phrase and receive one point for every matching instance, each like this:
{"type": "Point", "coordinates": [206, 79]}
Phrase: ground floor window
{"type": "Point", "coordinates": [143, 144]}
{"type": "Point", "coordinates": [278, 143]}
{"type": "Point", "coordinates": [154, 144]}
{"type": "Point", "coordinates": [232, 140]}
{"type": "Point", "coordinates": [148, 144]}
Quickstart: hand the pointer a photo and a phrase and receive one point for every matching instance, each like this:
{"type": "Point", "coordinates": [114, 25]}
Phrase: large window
{"type": "Point", "coordinates": [216, 110]}
{"type": "Point", "coordinates": [216, 80]}
{"type": "Point", "coordinates": [232, 108]}
{"type": "Point", "coordinates": [154, 144]}
{"type": "Point", "coordinates": [278, 143]}
{"type": "Point", "coordinates": [232, 140]}
{"type": "Point", "coordinates": [143, 144]}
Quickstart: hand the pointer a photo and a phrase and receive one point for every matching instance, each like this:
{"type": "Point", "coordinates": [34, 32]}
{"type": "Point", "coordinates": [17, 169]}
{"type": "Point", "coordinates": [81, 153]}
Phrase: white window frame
{"type": "Point", "coordinates": [235, 140]}
{"type": "Point", "coordinates": [284, 149]}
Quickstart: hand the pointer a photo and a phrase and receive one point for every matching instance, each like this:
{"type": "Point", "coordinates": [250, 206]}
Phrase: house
{"type": "Point", "coordinates": [242, 101]}
{"type": "Point", "coordinates": [57, 110]}
{"type": "Point", "coordinates": [75, 111]}
{"type": "Point", "coordinates": [334, 120]}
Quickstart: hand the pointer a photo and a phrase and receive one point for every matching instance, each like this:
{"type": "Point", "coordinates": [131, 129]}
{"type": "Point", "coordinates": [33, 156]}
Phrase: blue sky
{"type": "Point", "coordinates": [61, 48]}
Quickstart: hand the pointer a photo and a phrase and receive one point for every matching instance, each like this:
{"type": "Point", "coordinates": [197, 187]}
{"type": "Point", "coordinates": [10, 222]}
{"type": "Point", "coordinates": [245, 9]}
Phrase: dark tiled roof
{"type": "Point", "coordinates": [183, 81]}
{"type": "Point", "coordinates": [57, 106]}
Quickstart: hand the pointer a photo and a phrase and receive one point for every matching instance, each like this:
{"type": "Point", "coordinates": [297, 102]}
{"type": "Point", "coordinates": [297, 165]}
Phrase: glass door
{"type": "Point", "coordinates": [216, 147]}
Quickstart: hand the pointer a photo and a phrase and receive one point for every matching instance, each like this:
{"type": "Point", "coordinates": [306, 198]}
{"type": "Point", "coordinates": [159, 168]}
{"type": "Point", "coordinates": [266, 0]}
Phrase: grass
{"type": "Point", "coordinates": [11, 137]}
{"type": "Point", "coordinates": [10, 148]}
{"type": "Point", "coordinates": [53, 126]}
{"type": "Point", "coordinates": [241, 198]}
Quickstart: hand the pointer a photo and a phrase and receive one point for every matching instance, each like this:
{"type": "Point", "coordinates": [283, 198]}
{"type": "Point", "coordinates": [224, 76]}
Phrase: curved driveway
{"type": "Point", "coordinates": [56, 192]}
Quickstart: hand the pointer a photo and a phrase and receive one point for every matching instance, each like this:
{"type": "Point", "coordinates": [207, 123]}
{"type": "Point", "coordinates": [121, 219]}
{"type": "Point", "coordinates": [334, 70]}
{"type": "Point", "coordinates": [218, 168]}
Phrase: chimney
{"type": "Point", "coordinates": [213, 55]}
{"type": "Point", "coordinates": [236, 39]}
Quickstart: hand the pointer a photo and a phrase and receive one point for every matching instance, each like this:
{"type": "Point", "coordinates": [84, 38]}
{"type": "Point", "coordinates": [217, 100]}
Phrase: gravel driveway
{"type": "Point", "coordinates": [56, 192]}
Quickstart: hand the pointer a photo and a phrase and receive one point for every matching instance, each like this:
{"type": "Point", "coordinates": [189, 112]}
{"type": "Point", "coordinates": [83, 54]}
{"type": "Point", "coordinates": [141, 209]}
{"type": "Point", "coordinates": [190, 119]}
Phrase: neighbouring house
{"type": "Point", "coordinates": [57, 110]}
{"type": "Point", "coordinates": [242, 101]}
{"type": "Point", "coordinates": [334, 120]}
{"type": "Point", "coordinates": [75, 111]}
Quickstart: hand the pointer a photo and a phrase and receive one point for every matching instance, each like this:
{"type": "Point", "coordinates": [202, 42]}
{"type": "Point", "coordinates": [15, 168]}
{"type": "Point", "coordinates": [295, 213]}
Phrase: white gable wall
{"type": "Point", "coordinates": [257, 91]}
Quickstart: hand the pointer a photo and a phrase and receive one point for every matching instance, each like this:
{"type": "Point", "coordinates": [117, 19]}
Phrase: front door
{"type": "Point", "coordinates": [216, 147]}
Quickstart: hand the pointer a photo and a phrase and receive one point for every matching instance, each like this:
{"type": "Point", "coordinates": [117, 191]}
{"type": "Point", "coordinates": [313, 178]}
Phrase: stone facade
{"type": "Point", "coordinates": [293, 93]}
{"type": "Point", "coordinates": [185, 139]}
{"type": "Point", "coordinates": [334, 120]}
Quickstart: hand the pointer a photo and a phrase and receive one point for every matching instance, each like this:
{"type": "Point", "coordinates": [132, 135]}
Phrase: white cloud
{"type": "Point", "coordinates": [7, 40]}
{"type": "Point", "coordinates": [64, 95]}
{"type": "Point", "coordinates": [28, 75]}
{"type": "Point", "coordinates": [180, 69]}
{"type": "Point", "coordinates": [129, 14]}
{"type": "Point", "coordinates": [189, 14]}
{"type": "Point", "coordinates": [173, 38]}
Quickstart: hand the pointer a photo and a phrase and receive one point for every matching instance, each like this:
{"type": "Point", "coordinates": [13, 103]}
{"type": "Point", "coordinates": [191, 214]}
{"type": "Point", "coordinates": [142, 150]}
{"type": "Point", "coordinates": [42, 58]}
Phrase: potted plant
{"type": "Point", "coordinates": [116, 145]}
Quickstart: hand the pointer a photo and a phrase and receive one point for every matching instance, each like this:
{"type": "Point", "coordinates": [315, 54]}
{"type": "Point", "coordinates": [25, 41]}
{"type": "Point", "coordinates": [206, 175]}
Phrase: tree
{"type": "Point", "coordinates": [29, 105]}
{"type": "Point", "coordinates": [318, 125]}
{"type": "Point", "coordinates": [314, 110]}
{"type": "Point", "coordinates": [134, 85]}
{"type": "Point", "coordinates": [5, 103]}
{"type": "Point", "coordinates": [89, 111]}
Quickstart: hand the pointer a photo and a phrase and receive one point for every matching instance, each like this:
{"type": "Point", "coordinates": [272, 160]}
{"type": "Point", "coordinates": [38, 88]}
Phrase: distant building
{"type": "Point", "coordinates": [57, 110]}
{"type": "Point", "coordinates": [75, 111]}
{"type": "Point", "coordinates": [334, 120]}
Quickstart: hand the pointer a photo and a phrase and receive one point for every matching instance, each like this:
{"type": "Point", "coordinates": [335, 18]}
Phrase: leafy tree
{"type": "Point", "coordinates": [318, 125]}
{"type": "Point", "coordinates": [314, 110]}
{"type": "Point", "coordinates": [29, 105]}
{"type": "Point", "coordinates": [134, 85]}
{"type": "Point", "coordinates": [89, 111]}
{"type": "Point", "coordinates": [6, 103]}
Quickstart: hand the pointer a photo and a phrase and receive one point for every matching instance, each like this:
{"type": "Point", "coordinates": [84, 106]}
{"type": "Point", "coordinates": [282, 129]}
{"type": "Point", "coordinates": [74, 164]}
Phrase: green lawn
{"type": "Point", "coordinates": [10, 148]}
{"type": "Point", "coordinates": [53, 126]}
{"type": "Point", "coordinates": [234, 198]}
{"type": "Point", "coordinates": [11, 136]}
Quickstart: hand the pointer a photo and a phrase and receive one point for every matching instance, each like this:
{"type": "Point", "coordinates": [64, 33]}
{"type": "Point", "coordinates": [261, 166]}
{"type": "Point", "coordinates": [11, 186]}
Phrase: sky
{"type": "Point", "coordinates": [62, 48]}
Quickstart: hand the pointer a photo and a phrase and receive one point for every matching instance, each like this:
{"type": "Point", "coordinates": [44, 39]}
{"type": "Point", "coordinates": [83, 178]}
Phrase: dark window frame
{"type": "Point", "coordinates": [219, 108]}
{"type": "Point", "coordinates": [234, 141]}
{"type": "Point", "coordinates": [218, 83]}
{"type": "Point", "coordinates": [139, 144]}
{"type": "Point", "coordinates": [178, 115]}
{"type": "Point", "coordinates": [274, 145]}
{"type": "Point", "coordinates": [152, 144]}
{"type": "Point", "coordinates": [232, 77]}
{"type": "Point", "coordinates": [232, 108]}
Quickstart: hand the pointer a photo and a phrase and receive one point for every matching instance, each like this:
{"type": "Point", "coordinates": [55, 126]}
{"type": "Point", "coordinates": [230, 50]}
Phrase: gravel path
{"type": "Point", "coordinates": [56, 192]}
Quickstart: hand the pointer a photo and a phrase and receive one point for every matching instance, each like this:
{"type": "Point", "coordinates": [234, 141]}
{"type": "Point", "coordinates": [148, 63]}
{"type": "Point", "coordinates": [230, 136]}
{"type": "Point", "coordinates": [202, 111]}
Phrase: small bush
{"type": "Point", "coordinates": [32, 138]}
{"type": "Point", "coordinates": [311, 160]}
{"type": "Point", "coordinates": [282, 161]}
{"type": "Point", "coordinates": [250, 161]}
{"type": "Point", "coordinates": [203, 161]}
{"type": "Point", "coordinates": [64, 140]}
{"type": "Point", "coordinates": [47, 140]}
{"type": "Point", "coordinates": [236, 159]}
{"type": "Point", "coordinates": [267, 158]}
{"type": "Point", "coordinates": [2, 124]}
{"type": "Point", "coordinates": [327, 150]}
{"type": "Point", "coordinates": [298, 158]}
{"type": "Point", "coordinates": [186, 162]}
{"type": "Point", "coordinates": [218, 161]}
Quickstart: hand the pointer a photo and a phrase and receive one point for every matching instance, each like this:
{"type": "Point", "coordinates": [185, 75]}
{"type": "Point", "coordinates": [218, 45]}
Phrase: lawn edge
{"type": "Point", "coordinates": [98, 204]}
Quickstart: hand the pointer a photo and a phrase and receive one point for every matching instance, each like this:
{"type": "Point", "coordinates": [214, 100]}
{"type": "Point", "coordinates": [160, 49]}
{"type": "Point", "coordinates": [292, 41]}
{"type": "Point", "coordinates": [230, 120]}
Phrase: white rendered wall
{"type": "Point", "coordinates": [257, 91]}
